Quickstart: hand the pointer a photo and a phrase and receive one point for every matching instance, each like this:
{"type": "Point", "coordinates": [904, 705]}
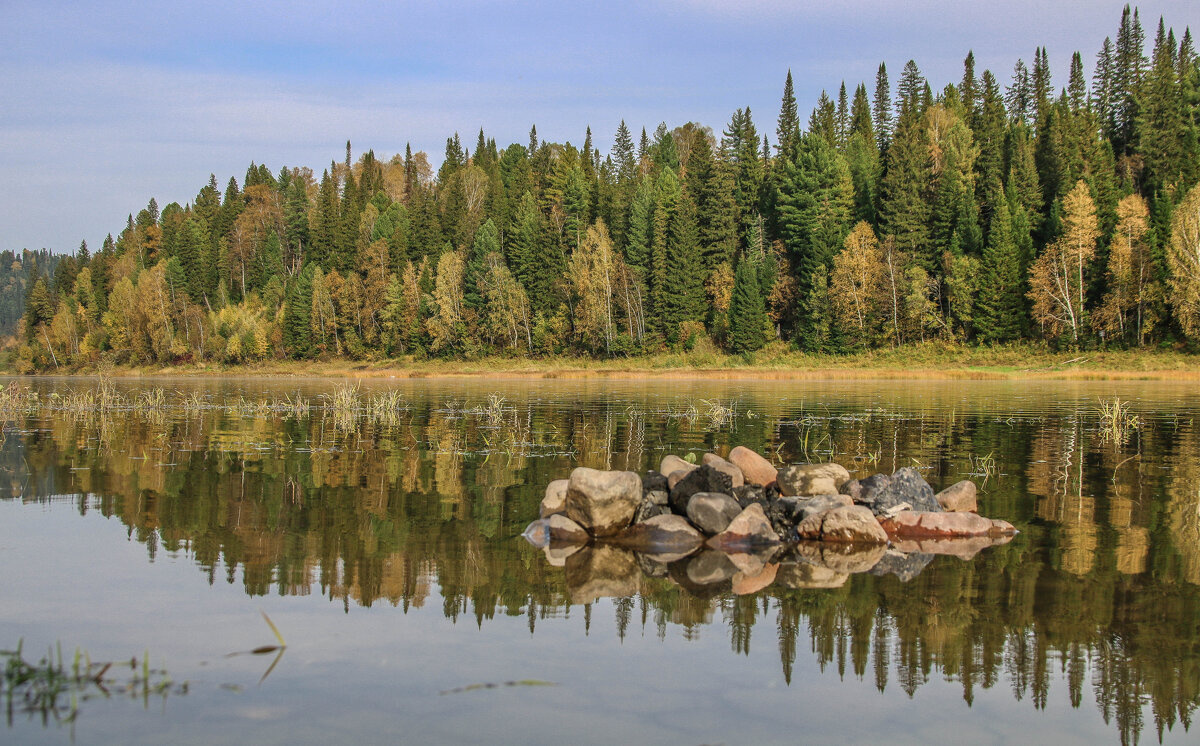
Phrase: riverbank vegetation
{"type": "Point", "coordinates": [979, 214]}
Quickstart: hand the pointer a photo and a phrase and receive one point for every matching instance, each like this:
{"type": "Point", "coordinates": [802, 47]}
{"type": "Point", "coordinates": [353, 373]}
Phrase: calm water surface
{"type": "Point", "coordinates": [385, 546]}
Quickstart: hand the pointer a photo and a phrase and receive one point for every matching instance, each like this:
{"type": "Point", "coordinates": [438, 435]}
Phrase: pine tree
{"type": "Point", "coordinates": [1018, 98]}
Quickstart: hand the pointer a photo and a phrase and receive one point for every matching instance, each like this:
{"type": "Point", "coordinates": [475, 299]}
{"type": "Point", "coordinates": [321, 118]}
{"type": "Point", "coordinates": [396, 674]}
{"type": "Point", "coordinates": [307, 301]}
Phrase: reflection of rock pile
{"type": "Point", "coordinates": [722, 525]}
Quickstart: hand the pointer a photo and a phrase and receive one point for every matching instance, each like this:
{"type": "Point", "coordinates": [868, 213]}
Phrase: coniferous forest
{"type": "Point", "coordinates": [1029, 204]}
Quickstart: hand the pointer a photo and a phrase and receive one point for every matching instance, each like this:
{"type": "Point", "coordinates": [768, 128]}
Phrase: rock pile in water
{"type": "Point", "coordinates": [743, 503]}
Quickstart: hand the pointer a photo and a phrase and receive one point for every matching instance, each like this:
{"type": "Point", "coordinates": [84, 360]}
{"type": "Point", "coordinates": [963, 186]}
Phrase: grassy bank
{"type": "Point", "coordinates": [922, 361]}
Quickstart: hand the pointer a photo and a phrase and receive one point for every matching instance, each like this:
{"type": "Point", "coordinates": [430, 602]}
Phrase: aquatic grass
{"type": "Point", "coordinates": [981, 466]}
{"type": "Point", "coordinates": [719, 415]}
{"type": "Point", "coordinates": [1117, 422]}
{"type": "Point", "coordinates": [150, 400]}
{"type": "Point", "coordinates": [16, 400]}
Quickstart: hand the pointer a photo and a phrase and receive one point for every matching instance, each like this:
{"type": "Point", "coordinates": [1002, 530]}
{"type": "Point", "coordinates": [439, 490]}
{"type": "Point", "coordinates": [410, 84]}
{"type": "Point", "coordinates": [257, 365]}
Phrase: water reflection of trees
{"type": "Point", "coordinates": [1100, 591]}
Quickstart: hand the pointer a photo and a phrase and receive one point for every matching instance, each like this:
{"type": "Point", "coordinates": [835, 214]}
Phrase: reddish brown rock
{"type": "Point", "coordinates": [963, 548]}
{"type": "Point", "coordinates": [912, 524]}
{"type": "Point", "coordinates": [959, 498]}
{"type": "Point", "coordinates": [755, 469]}
{"type": "Point", "coordinates": [555, 500]}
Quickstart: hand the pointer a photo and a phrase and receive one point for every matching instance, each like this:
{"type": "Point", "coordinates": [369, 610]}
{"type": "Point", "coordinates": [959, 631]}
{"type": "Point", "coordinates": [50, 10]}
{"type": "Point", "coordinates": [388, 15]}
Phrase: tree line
{"type": "Point", "coordinates": [981, 213]}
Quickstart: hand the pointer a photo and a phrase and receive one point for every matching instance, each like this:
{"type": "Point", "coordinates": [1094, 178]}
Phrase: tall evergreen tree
{"type": "Point", "coordinates": [788, 127]}
{"type": "Point", "coordinates": [1000, 304]}
{"type": "Point", "coordinates": [881, 108]}
{"type": "Point", "coordinates": [747, 311]}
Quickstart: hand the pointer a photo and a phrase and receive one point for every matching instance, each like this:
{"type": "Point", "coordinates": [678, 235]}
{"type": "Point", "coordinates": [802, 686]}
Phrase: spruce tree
{"type": "Point", "coordinates": [1000, 304]}
{"type": "Point", "coordinates": [682, 297]}
{"type": "Point", "coordinates": [297, 315]}
{"type": "Point", "coordinates": [788, 127]}
{"type": "Point", "coordinates": [747, 311]}
{"type": "Point", "coordinates": [881, 108]}
{"type": "Point", "coordinates": [814, 201]}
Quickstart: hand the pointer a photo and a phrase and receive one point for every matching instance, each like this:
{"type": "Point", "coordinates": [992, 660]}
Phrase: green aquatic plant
{"type": "Point", "coordinates": [53, 689]}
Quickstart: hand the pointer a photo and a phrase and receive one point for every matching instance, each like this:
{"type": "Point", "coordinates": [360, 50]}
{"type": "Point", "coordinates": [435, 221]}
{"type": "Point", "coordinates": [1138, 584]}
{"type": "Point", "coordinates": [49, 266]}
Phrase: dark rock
{"type": "Point", "coordinates": [862, 490]}
{"type": "Point", "coordinates": [720, 464]}
{"type": "Point", "coordinates": [905, 486]}
{"type": "Point", "coordinates": [904, 565]}
{"type": "Point", "coordinates": [654, 481]}
{"type": "Point", "coordinates": [750, 493]}
{"type": "Point", "coordinates": [701, 479]}
{"type": "Point", "coordinates": [711, 512]}
{"type": "Point", "coordinates": [657, 497]}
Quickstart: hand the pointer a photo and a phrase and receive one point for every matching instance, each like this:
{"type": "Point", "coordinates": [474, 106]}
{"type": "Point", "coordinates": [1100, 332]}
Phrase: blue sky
{"type": "Point", "coordinates": [104, 105]}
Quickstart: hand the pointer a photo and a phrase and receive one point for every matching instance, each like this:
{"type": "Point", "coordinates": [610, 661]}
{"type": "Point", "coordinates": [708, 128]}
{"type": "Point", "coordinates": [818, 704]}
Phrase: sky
{"type": "Point", "coordinates": [105, 105]}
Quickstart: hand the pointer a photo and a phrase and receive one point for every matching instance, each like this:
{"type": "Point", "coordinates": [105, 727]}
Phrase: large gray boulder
{"type": "Point", "coordinates": [603, 502]}
{"type": "Point", "coordinates": [711, 512]}
{"type": "Point", "coordinates": [805, 480]}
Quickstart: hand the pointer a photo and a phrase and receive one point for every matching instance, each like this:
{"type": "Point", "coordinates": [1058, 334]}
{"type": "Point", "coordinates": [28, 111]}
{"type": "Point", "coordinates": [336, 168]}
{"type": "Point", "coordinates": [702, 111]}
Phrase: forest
{"type": "Point", "coordinates": [984, 212]}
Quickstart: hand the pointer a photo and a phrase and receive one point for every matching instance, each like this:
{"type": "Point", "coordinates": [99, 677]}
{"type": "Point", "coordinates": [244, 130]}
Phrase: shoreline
{"type": "Point", "coordinates": [916, 363]}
